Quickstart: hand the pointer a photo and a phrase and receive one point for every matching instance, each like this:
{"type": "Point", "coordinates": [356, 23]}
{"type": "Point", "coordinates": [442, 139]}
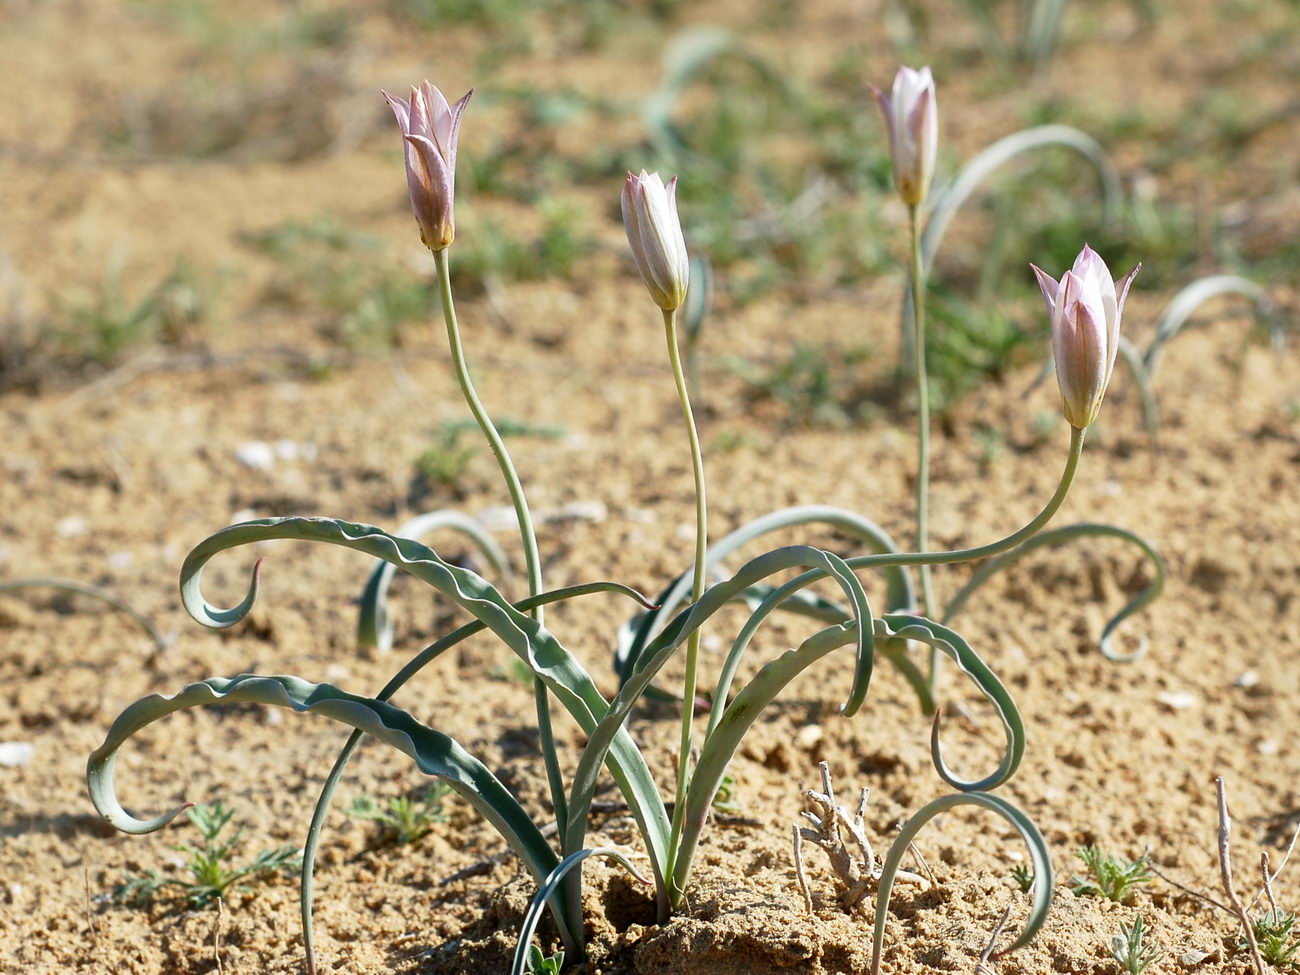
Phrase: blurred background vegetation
{"type": "Point", "coordinates": [205, 175]}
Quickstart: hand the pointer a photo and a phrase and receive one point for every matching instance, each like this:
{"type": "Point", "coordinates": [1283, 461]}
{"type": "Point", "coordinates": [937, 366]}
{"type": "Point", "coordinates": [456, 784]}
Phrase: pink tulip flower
{"type": "Point", "coordinates": [430, 127]}
{"type": "Point", "coordinates": [655, 236]}
{"type": "Point", "coordinates": [912, 118]}
{"type": "Point", "coordinates": [1085, 307]}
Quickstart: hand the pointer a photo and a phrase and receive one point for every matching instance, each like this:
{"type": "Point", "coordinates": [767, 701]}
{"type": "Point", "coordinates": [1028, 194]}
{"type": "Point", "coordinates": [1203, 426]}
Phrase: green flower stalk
{"type": "Point", "coordinates": [912, 118]}
{"type": "Point", "coordinates": [430, 128]}
{"type": "Point", "coordinates": [654, 233]}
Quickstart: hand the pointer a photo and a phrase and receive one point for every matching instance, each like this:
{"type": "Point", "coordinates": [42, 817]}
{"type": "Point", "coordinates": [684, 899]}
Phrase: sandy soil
{"type": "Point", "coordinates": [112, 477]}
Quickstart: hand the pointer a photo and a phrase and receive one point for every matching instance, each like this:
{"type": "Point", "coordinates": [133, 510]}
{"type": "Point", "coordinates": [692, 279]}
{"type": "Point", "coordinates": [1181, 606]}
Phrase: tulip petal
{"type": "Point", "coordinates": [1047, 284]}
{"type": "Point", "coordinates": [401, 109]}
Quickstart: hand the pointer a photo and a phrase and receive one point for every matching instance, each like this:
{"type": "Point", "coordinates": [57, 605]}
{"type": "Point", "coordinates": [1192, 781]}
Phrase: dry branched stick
{"type": "Point", "coordinates": [1225, 865]}
{"type": "Point", "coordinates": [857, 870]}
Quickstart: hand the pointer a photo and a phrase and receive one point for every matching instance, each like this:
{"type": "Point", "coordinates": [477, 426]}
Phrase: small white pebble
{"type": "Point", "coordinates": [1112, 489]}
{"type": "Point", "coordinates": [1178, 700]}
{"type": "Point", "coordinates": [71, 526]}
{"type": "Point", "coordinates": [16, 753]}
{"type": "Point", "coordinates": [336, 672]}
{"type": "Point", "coordinates": [644, 515]}
{"type": "Point", "coordinates": [120, 560]}
{"type": "Point", "coordinates": [243, 514]}
{"type": "Point", "coordinates": [809, 736]}
{"type": "Point", "coordinates": [1266, 746]}
{"type": "Point", "coordinates": [256, 454]}
{"type": "Point", "coordinates": [286, 449]}
{"type": "Point", "coordinates": [1193, 957]}
{"type": "Point", "coordinates": [1247, 679]}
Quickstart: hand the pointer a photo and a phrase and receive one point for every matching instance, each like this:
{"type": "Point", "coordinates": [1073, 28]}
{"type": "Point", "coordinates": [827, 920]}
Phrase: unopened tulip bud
{"type": "Point", "coordinates": [655, 236]}
{"type": "Point", "coordinates": [913, 122]}
{"type": "Point", "coordinates": [430, 128]}
{"type": "Point", "coordinates": [1085, 307]}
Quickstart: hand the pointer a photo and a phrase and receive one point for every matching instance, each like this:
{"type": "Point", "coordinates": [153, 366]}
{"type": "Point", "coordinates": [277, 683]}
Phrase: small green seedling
{"type": "Point", "coordinates": [539, 964]}
{"type": "Point", "coordinates": [1110, 877]}
{"type": "Point", "coordinates": [211, 874]}
{"type": "Point", "coordinates": [724, 800]}
{"type": "Point", "coordinates": [1278, 941]}
{"type": "Point", "coordinates": [1023, 876]}
{"type": "Point", "coordinates": [1129, 949]}
{"type": "Point", "coordinates": [405, 819]}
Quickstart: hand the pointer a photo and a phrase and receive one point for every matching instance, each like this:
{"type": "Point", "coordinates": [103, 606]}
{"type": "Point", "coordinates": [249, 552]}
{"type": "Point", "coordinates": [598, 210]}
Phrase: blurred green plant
{"type": "Point", "coordinates": [405, 819]}
{"type": "Point", "coordinates": [210, 872]}
{"type": "Point", "coordinates": [815, 385]}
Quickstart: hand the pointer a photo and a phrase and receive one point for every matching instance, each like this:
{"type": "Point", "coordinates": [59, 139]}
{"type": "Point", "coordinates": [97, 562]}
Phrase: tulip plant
{"type": "Point", "coordinates": [1085, 308]}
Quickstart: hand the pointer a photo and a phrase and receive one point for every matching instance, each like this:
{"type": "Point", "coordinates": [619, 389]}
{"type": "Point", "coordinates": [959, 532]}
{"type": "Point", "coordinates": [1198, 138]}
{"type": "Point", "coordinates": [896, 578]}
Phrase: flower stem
{"type": "Point", "coordinates": [529, 536]}
{"type": "Point", "coordinates": [923, 433]}
{"type": "Point", "coordinates": [697, 590]}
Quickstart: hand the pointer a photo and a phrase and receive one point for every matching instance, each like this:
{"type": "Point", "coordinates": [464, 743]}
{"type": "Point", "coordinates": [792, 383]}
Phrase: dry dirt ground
{"type": "Point", "coordinates": [111, 476]}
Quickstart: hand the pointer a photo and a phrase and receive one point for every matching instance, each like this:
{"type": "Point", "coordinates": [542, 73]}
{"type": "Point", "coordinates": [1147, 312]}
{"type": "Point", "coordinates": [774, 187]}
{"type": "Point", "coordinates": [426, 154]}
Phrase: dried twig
{"type": "Point", "coordinates": [981, 967]}
{"type": "Point", "coordinates": [1278, 872]}
{"type": "Point", "coordinates": [1188, 890]}
{"type": "Point", "coordinates": [1268, 882]}
{"type": "Point", "coordinates": [216, 935]}
{"type": "Point", "coordinates": [1225, 865]}
{"type": "Point", "coordinates": [798, 868]}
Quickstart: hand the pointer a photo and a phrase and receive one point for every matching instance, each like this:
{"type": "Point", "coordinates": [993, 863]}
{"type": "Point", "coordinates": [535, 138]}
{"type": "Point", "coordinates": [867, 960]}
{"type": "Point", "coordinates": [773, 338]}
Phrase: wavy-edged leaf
{"type": "Point", "coordinates": [688, 54]}
{"type": "Point", "coordinates": [950, 198]}
{"type": "Point", "coordinates": [1184, 304]}
{"type": "Point", "coordinates": [547, 890]}
{"type": "Point", "coordinates": [95, 592]}
{"type": "Point", "coordinates": [1060, 536]}
{"type": "Point", "coordinates": [374, 628]}
{"type": "Point", "coordinates": [412, 667]}
{"type": "Point", "coordinates": [434, 752]}
{"type": "Point", "coordinates": [528, 639]}
{"type": "Point", "coordinates": [636, 634]}
{"type": "Point", "coordinates": [663, 648]}
{"type": "Point", "coordinates": [1042, 889]}
{"type": "Point", "coordinates": [721, 744]}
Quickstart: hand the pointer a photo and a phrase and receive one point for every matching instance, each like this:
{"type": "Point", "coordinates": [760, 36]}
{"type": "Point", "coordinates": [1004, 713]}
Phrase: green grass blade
{"type": "Point", "coordinates": [1042, 889]}
{"type": "Point", "coordinates": [1059, 536]}
{"type": "Point", "coordinates": [374, 628]}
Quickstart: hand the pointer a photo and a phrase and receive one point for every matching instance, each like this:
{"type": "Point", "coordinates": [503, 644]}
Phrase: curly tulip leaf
{"type": "Point", "coordinates": [1059, 536]}
{"type": "Point", "coordinates": [1184, 304]}
{"type": "Point", "coordinates": [84, 589]}
{"type": "Point", "coordinates": [600, 739]}
{"type": "Point", "coordinates": [637, 633]}
{"type": "Point", "coordinates": [527, 638]}
{"type": "Point", "coordinates": [434, 752]}
{"type": "Point", "coordinates": [721, 744]}
{"type": "Point", "coordinates": [412, 667]}
{"type": "Point", "coordinates": [374, 627]}
{"type": "Point", "coordinates": [1042, 889]}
